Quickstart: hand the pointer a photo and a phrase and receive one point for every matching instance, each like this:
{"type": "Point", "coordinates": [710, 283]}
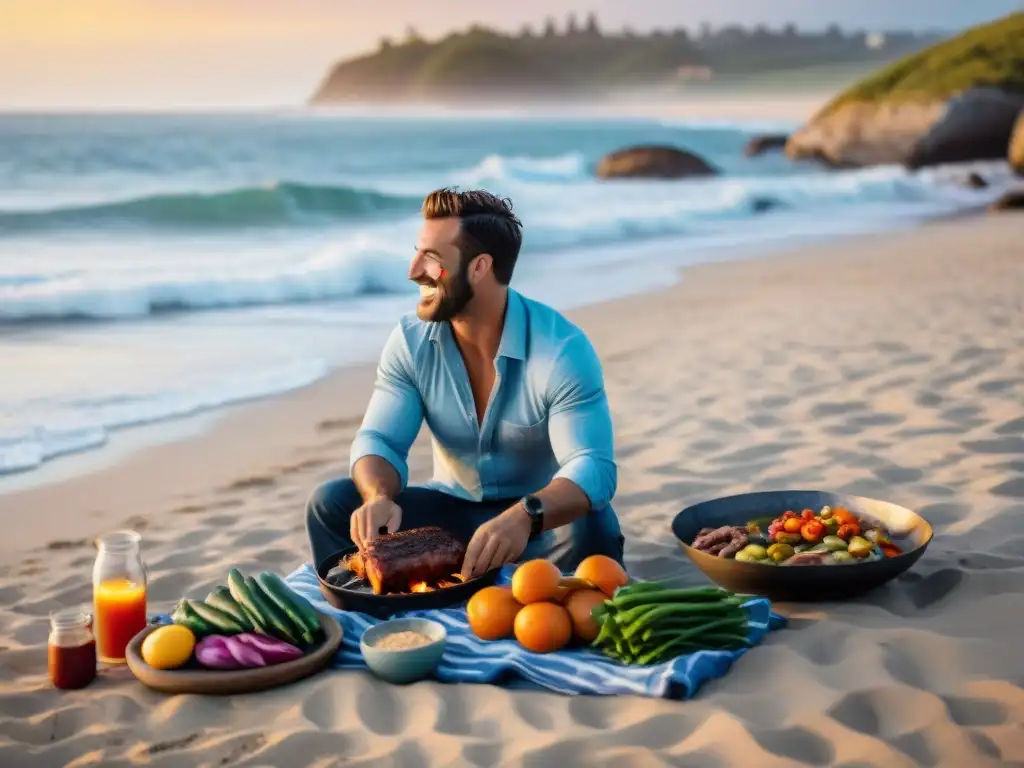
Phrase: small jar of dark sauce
{"type": "Point", "coordinates": [71, 649]}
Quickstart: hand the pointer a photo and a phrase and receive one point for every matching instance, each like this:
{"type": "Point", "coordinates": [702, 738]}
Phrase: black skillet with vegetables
{"type": "Point", "coordinates": [801, 544]}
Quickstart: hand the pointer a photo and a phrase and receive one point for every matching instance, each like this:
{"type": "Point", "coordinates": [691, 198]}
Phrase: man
{"type": "Point", "coordinates": [513, 394]}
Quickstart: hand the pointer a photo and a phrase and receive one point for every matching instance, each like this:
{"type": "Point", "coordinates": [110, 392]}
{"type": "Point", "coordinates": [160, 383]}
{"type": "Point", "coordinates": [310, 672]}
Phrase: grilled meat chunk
{"type": "Point", "coordinates": [394, 561]}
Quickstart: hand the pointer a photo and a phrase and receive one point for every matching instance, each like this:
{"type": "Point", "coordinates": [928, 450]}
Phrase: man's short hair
{"type": "Point", "coordinates": [488, 225]}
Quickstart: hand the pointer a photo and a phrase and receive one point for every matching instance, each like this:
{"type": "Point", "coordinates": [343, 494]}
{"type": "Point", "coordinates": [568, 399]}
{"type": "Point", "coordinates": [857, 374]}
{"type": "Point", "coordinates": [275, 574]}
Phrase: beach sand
{"type": "Point", "coordinates": [886, 365]}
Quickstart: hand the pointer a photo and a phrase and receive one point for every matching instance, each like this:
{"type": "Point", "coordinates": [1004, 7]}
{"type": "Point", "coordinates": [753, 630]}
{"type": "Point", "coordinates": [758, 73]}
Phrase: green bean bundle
{"type": "Point", "coordinates": [649, 622]}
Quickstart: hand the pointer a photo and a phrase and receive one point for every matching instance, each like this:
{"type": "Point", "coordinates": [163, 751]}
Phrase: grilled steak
{"type": "Point", "coordinates": [395, 560]}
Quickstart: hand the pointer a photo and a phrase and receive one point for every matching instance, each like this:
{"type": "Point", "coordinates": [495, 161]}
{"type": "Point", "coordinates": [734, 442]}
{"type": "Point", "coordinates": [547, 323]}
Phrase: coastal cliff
{"type": "Point", "coordinates": [955, 101]}
{"type": "Point", "coordinates": [580, 61]}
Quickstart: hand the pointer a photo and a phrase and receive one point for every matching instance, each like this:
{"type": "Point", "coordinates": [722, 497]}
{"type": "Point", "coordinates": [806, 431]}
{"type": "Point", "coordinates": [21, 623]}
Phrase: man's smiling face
{"type": "Point", "coordinates": [439, 271]}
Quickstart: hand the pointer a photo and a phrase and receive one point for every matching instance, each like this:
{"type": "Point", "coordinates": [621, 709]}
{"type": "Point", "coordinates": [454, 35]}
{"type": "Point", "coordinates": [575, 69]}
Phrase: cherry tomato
{"type": "Point", "coordinates": [812, 530]}
{"type": "Point", "coordinates": [807, 514]}
{"type": "Point", "coordinates": [793, 525]}
{"type": "Point", "coordinates": [848, 531]}
{"type": "Point", "coordinates": [843, 516]}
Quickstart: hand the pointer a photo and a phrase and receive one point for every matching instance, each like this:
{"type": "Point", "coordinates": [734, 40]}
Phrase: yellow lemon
{"type": "Point", "coordinates": [168, 647]}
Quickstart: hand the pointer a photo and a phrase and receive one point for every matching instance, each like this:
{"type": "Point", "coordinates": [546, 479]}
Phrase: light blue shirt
{"type": "Point", "coordinates": [547, 416]}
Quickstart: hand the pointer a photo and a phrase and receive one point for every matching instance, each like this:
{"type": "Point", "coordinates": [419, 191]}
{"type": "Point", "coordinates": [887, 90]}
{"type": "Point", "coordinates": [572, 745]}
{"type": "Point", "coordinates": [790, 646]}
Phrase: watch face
{"type": "Point", "coordinates": [533, 505]}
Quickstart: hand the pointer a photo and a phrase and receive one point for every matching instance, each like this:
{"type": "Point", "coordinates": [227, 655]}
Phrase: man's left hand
{"type": "Point", "coordinates": [496, 542]}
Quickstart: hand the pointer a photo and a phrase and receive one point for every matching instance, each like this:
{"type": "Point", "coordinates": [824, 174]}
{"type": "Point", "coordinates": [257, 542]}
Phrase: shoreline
{"type": "Point", "coordinates": [231, 432]}
{"type": "Point", "coordinates": [122, 442]}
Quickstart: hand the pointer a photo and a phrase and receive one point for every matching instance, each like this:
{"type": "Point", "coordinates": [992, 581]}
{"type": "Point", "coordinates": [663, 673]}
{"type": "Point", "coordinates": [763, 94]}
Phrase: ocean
{"type": "Point", "coordinates": [153, 267]}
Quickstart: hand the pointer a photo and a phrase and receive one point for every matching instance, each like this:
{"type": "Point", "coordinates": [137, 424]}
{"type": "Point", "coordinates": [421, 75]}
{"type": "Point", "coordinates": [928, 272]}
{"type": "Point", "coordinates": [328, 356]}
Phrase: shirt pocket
{"type": "Point", "coordinates": [520, 439]}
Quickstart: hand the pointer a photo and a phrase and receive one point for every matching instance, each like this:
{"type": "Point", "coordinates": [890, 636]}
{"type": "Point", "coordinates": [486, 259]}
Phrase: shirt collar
{"type": "Point", "coordinates": [513, 334]}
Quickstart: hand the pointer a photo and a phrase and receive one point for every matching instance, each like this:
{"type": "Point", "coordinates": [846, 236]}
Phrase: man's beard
{"type": "Point", "coordinates": [449, 300]}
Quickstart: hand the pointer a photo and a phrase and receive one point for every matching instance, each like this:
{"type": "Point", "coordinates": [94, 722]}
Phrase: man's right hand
{"type": "Point", "coordinates": [366, 522]}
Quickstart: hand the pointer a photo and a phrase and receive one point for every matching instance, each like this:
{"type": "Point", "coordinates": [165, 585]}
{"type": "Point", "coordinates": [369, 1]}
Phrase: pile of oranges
{"type": "Point", "coordinates": [543, 609]}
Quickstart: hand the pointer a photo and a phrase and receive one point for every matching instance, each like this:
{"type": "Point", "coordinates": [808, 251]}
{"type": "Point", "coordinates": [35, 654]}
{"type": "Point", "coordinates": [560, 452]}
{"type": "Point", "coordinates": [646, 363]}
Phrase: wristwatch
{"type": "Point", "coordinates": [535, 509]}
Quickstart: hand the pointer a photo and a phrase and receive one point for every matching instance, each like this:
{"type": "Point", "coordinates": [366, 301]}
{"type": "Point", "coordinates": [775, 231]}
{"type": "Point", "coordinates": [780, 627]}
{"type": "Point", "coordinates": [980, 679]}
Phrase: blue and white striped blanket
{"type": "Point", "coordinates": [467, 659]}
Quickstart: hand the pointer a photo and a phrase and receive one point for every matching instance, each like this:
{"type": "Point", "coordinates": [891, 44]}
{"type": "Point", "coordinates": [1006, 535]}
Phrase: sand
{"type": "Point", "coordinates": [887, 365]}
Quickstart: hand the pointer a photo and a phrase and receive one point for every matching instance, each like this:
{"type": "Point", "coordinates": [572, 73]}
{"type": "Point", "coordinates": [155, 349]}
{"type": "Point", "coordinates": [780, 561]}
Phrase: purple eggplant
{"type": "Point", "coordinates": [212, 652]}
{"type": "Point", "coordinates": [272, 650]}
{"type": "Point", "coordinates": [244, 654]}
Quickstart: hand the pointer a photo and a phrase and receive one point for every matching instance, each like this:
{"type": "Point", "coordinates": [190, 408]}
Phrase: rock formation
{"type": "Point", "coordinates": [764, 143]}
{"type": "Point", "coordinates": [955, 101]}
{"type": "Point", "coordinates": [1016, 151]}
{"type": "Point", "coordinates": [1008, 201]}
{"type": "Point", "coordinates": [653, 162]}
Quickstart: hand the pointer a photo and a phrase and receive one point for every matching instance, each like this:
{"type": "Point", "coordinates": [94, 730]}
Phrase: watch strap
{"type": "Point", "coordinates": [535, 509]}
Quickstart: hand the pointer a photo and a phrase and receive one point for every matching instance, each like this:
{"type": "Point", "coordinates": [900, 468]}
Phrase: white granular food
{"type": "Point", "coordinates": [398, 641]}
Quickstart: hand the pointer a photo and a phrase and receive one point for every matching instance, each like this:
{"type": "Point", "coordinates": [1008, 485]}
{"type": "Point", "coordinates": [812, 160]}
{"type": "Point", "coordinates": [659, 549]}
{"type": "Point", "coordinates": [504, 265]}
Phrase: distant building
{"type": "Point", "coordinates": [875, 40]}
{"type": "Point", "coordinates": [694, 72]}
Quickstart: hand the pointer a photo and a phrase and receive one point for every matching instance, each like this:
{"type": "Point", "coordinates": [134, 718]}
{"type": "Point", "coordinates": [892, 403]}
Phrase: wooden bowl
{"type": "Point", "coordinates": [194, 678]}
{"type": "Point", "coordinates": [822, 583]}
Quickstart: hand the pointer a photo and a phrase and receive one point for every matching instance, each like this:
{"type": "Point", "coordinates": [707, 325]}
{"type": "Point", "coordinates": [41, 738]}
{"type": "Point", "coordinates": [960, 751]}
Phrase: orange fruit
{"type": "Point", "coordinates": [535, 581]}
{"type": "Point", "coordinates": [543, 627]}
{"type": "Point", "coordinates": [579, 606]}
{"type": "Point", "coordinates": [492, 613]}
{"type": "Point", "coordinates": [603, 572]}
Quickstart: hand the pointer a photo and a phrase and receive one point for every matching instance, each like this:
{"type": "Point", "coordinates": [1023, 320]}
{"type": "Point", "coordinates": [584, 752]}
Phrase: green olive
{"type": "Point", "coordinates": [860, 547]}
{"type": "Point", "coordinates": [755, 551]}
{"type": "Point", "coordinates": [834, 544]}
{"type": "Point", "coordinates": [842, 556]}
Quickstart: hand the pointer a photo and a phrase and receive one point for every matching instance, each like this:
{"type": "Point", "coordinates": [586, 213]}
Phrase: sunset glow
{"type": "Point", "coordinates": [85, 54]}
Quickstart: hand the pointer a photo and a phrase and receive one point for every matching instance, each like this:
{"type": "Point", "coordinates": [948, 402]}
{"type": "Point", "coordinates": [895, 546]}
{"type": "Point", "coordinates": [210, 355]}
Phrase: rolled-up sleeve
{"type": "Point", "coordinates": [580, 422]}
{"type": "Point", "coordinates": [395, 413]}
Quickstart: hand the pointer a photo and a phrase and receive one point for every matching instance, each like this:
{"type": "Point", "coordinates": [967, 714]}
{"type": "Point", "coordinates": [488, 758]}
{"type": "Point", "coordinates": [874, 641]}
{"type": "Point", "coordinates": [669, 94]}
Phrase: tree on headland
{"type": "Point", "coordinates": [583, 60]}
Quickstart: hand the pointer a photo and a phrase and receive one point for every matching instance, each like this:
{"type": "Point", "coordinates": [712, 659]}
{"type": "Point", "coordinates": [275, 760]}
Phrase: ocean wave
{"type": "Point", "coordinates": [280, 203]}
{"type": "Point", "coordinates": [498, 168]}
{"type": "Point", "coordinates": [375, 259]}
{"type": "Point", "coordinates": [357, 267]}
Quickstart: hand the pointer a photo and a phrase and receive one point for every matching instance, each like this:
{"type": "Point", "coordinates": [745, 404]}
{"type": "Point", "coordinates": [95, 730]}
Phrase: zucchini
{"type": "Point", "coordinates": [185, 615]}
{"type": "Point", "coordinates": [223, 623]}
{"type": "Point", "coordinates": [240, 593]}
{"type": "Point", "coordinates": [280, 626]}
{"type": "Point", "coordinates": [222, 600]}
{"type": "Point", "coordinates": [293, 604]}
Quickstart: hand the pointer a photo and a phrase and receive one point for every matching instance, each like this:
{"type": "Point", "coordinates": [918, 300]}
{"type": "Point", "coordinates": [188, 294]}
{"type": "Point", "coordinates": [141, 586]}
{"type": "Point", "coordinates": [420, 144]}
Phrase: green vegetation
{"type": "Point", "coordinates": [582, 61]}
{"type": "Point", "coordinates": [482, 60]}
{"type": "Point", "coordinates": [991, 54]}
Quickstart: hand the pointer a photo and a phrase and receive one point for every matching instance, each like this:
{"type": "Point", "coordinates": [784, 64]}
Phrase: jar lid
{"type": "Point", "coordinates": [119, 540]}
{"type": "Point", "coordinates": [70, 618]}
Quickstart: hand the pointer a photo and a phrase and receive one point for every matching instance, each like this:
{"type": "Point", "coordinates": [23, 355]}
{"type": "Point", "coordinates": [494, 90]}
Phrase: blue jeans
{"type": "Point", "coordinates": [332, 504]}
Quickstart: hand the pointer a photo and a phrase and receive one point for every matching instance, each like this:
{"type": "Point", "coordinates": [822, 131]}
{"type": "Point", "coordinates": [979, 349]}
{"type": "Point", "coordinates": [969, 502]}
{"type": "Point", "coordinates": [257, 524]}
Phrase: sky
{"type": "Point", "coordinates": [209, 54]}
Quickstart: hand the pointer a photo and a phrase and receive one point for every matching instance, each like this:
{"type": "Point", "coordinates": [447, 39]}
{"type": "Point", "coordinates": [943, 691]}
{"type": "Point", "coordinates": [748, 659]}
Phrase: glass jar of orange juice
{"type": "Point", "coordinates": [119, 594]}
